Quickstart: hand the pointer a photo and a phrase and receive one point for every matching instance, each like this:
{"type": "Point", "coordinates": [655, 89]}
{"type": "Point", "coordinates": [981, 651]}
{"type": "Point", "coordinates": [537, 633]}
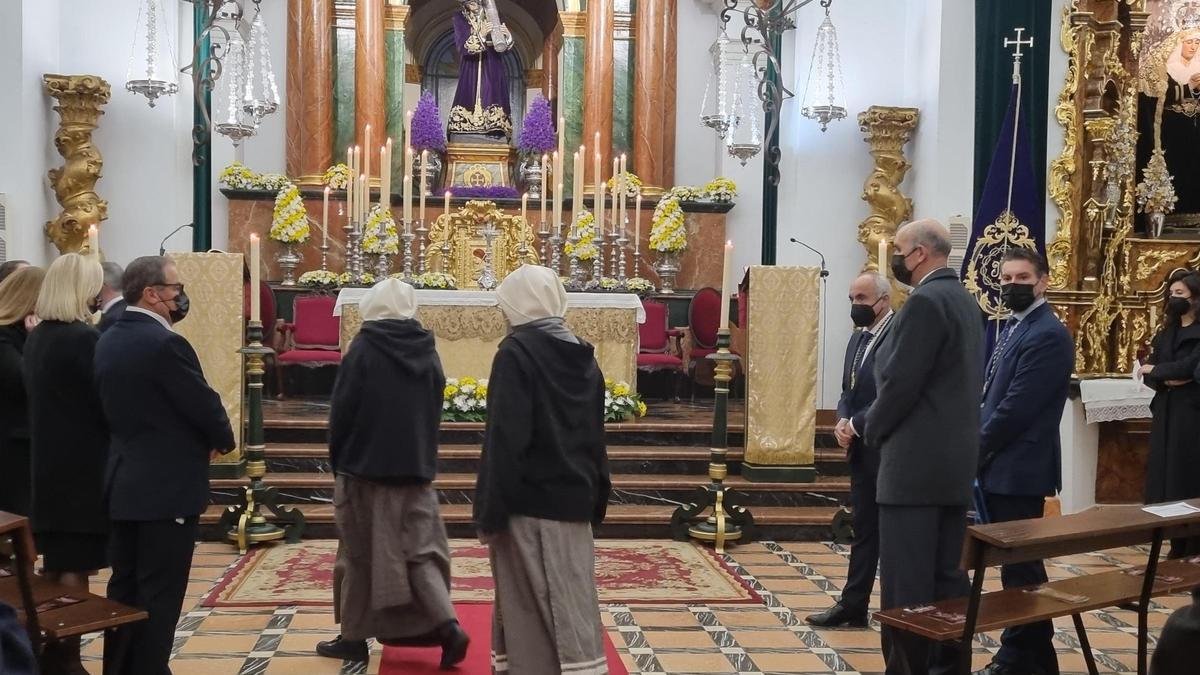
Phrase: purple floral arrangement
{"type": "Point", "coordinates": [427, 131]}
{"type": "Point", "coordinates": [537, 134]}
{"type": "Point", "coordinates": [493, 192]}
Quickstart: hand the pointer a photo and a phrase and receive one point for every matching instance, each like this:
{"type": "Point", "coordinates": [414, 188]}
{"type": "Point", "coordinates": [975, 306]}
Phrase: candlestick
{"type": "Point", "coordinates": [424, 164]}
{"type": "Point", "coordinates": [362, 202]}
{"type": "Point", "coordinates": [255, 299]}
{"type": "Point", "coordinates": [616, 190]}
{"type": "Point", "coordinates": [93, 240]}
{"type": "Point", "coordinates": [446, 205]}
{"type": "Point", "coordinates": [726, 288]}
{"type": "Point", "coordinates": [408, 162]}
{"type": "Point", "coordinates": [637, 226]}
{"type": "Point", "coordinates": [558, 209]}
{"type": "Point", "coordinates": [407, 207]}
{"type": "Point", "coordinates": [622, 190]}
{"type": "Point", "coordinates": [325, 217]}
{"type": "Point", "coordinates": [545, 170]}
{"type": "Point", "coordinates": [556, 206]}
{"type": "Point", "coordinates": [601, 189]}
{"type": "Point", "coordinates": [883, 255]}
{"type": "Point", "coordinates": [577, 187]}
{"type": "Point", "coordinates": [525, 207]}
{"type": "Point", "coordinates": [351, 184]}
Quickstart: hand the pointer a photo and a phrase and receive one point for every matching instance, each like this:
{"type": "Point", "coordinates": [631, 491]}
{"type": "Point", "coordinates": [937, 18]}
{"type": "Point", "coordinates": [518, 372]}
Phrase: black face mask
{"type": "Point", "coordinates": [1017, 297]}
{"type": "Point", "coordinates": [179, 313]}
{"type": "Point", "coordinates": [899, 271]}
{"type": "Point", "coordinates": [862, 315]}
{"type": "Point", "coordinates": [1177, 306]}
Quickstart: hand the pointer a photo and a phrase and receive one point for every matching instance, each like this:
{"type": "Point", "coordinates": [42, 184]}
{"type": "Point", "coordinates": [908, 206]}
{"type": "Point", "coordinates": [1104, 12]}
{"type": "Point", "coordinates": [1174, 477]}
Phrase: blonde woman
{"type": "Point", "coordinates": [18, 295]}
{"type": "Point", "coordinates": [68, 436]}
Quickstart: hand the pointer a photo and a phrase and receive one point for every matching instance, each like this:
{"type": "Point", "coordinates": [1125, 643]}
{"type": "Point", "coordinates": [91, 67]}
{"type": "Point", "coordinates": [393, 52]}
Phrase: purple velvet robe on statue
{"type": "Point", "coordinates": [481, 101]}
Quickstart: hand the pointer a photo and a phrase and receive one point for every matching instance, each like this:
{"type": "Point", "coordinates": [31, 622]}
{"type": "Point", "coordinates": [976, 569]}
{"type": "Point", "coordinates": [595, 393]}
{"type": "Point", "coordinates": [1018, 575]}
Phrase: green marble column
{"type": "Point", "coordinates": [393, 43]}
{"type": "Point", "coordinates": [343, 92]}
{"type": "Point", "coordinates": [622, 133]}
{"type": "Point", "coordinates": [571, 103]}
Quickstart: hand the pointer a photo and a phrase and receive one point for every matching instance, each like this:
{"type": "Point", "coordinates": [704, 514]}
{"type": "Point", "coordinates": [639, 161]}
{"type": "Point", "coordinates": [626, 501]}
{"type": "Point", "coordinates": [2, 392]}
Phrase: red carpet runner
{"type": "Point", "coordinates": [476, 619]}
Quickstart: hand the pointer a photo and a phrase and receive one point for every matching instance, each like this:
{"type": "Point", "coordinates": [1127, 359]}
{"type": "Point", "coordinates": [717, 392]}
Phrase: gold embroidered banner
{"type": "Point", "coordinates": [781, 372]}
{"type": "Point", "coordinates": [214, 326]}
{"type": "Point", "coordinates": [467, 337]}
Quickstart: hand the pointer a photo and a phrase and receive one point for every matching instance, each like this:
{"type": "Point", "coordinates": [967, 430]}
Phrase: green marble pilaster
{"type": "Point", "coordinates": [393, 43]}
{"type": "Point", "coordinates": [571, 103]}
{"type": "Point", "coordinates": [343, 92]}
{"type": "Point", "coordinates": [622, 96]}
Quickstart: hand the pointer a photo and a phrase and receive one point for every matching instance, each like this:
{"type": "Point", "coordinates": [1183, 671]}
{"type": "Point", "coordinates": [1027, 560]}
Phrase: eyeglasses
{"type": "Point", "coordinates": [178, 287]}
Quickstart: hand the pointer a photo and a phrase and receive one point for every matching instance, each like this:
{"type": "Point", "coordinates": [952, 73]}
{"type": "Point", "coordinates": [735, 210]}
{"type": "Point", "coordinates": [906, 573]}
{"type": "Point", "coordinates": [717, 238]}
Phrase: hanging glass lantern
{"type": "Point", "coordinates": [715, 106]}
{"type": "Point", "coordinates": [150, 77]}
{"type": "Point", "coordinates": [824, 95]}
{"type": "Point", "coordinates": [745, 136]}
{"type": "Point", "coordinates": [260, 96]}
{"type": "Point", "coordinates": [231, 120]}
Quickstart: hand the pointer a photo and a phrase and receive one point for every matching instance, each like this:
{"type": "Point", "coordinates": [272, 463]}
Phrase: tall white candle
{"type": "Point", "coordinates": [726, 286]}
{"type": "Point", "coordinates": [545, 170]}
{"type": "Point", "coordinates": [883, 256]}
{"type": "Point", "coordinates": [562, 141]}
{"type": "Point", "coordinates": [408, 162]}
{"type": "Point", "coordinates": [325, 217]}
{"type": "Point", "coordinates": [637, 226]}
{"type": "Point", "coordinates": [255, 299]}
{"type": "Point", "coordinates": [93, 240]}
{"type": "Point", "coordinates": [408, 205]}
{"type": "Point", "coordinates": [622, 188]}
{"type": "Point", "coordinates": [446, 206]}
{"type": "Point", "coordinates": [556, 204]}
{"type": "Point", "coordinates": [385, 175]}
{"type": "Point", "coordinates": [616, 174]}
{"type": "Point", "coordinates": [424, 163]}
{"type": "Point", "coordinates": [601, 190]}
{"type": "Point", "coordinates": [558, 210]}
{"type": "Point", "coordinates": [367, 158]}
{"type": "Point", "coordinates": [577, 184]}
{"type": "Point", "coordinates": [525, 207]}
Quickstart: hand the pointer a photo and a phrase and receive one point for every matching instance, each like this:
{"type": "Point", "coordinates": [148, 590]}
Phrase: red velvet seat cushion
{"type": "Point", "coordinates": [315, 356]}
{"type": "Point", "coordinates": [653, 335]}
{"type": "Point", "coordinates": [658, 361]}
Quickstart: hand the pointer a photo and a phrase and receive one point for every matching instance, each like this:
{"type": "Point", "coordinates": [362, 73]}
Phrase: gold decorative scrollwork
{"type": "Point", "coordinates": [983, 263]}
{"type": "Point", "coordinates": [79, 100]}
{"type": "Point", "coordinates": [1062, 169]}
{"type": "Point", "coordinates": [460, 230]}
{"type": "Point", "coordinates": [1151, 261]}
{"type": "Point", "coordinates": [887, 130]}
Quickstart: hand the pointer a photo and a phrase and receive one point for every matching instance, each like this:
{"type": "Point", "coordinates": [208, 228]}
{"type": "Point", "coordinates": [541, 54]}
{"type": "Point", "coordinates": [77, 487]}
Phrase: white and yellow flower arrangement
{"type": "Point", "coordinates": [435, 280]}
{"type": "Point", "coordinates": [621, 403]}
{"type": "Point", "coordinates": [345, 279]}
{"type": "Point", "coordinates": [319, 279]}
{"type": "Point", "coordinates": [237, 176]}
{"type": "Point", "coordinates": [584, 248]}
{"type": "Point", "coordinates": [274, 182]}
{"type": "Point", "coordinates": [379, 234]}
{"type": "Point", "coordinates": [289, 222]}
{"type": "Point", "coordinates": [609, 284]}
{"type": "Point", "coordinates": [464, 400]}
{"type": "Point", "coordinates": [668, 231]}
{"type": "Point", "coordinates": [639, 286]}
{"type": "Point", "coordinates": [337, 177]}
{"type": "Point", "coordinates": [633, 185]}
{"type": "Point", "coordinates": [720, 190]}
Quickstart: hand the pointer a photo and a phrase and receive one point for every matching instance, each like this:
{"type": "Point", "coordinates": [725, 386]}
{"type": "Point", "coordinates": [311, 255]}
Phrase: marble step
{"type": "Point", "coordinates": [670, 459]}
{"type": "Point", "coordinates": [645, 489]}
{"type": "Point", "coordinates": [808, 523]}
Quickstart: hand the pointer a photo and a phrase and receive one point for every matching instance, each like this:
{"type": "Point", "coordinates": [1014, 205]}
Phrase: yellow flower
{"type": "Point", "coordinates": [467, 380]}
{"type": "Point", "coordinates": [621, 389]}
{"type": "Point", "coordinates": [641, 409]}
{"type": "Point", "coordinates": [608, 383]}
{"type": "Point", "coordinates": [450, 391]}
{"type": "Point", "coordinates": [481, 391]}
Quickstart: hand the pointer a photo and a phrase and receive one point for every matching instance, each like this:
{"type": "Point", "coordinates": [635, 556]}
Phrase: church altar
{"type": "Point", "coordinates": [468, 326]}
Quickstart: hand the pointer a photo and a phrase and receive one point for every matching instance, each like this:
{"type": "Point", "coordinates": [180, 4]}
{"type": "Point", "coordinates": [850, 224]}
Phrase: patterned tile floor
{"type": "Point", "coordinates": [793, 578]}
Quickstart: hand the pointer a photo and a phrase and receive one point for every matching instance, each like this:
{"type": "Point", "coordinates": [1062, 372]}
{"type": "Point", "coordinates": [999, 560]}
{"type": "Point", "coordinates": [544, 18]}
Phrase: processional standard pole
{"type": "Point", "coordinates": [728, 521]}
{"type": "Point", "coordinates": [244, 523]}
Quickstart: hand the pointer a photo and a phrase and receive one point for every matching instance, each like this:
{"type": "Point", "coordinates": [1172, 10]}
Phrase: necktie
{"type": "Point", "coordinates": [1000, 345]}
{"type": "Point", "coordinates": [859, 354]}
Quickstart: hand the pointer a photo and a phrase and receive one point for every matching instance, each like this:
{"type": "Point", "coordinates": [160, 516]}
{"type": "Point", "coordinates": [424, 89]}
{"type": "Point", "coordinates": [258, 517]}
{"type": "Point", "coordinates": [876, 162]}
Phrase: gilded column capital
{"type": "Point", "coordinates": [574, 23]}
{"type": "Point", "coordinates": [79, 98]}
{"type": "Point", "coordinates": [887, 130]}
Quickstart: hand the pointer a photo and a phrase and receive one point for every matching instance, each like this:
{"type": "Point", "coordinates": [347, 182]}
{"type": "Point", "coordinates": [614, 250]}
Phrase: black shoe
{"type": "Point", "coordinates": [994, 668]}
{"type": "Point", "coordinates": [346, 650]}
{"type": "Point", "coordinates": [837, 617]}
{"type": "Point", "coordinates": [454, 644]}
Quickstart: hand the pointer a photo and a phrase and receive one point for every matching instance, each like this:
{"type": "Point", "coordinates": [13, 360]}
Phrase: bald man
{"type": "Point", "coordinates": [925, 422]}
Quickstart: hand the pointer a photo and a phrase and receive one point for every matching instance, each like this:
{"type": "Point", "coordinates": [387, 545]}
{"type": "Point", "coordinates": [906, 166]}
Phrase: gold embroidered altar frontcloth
{"type": "Point", "coordinates": [468, 326]}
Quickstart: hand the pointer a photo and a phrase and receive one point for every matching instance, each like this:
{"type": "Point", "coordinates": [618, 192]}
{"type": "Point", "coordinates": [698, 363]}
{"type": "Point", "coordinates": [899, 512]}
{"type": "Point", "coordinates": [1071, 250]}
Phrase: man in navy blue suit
{"type": "Point", "coordinates": [1025, 389]}
{"type": "Point", "coordinates": [871, 311]}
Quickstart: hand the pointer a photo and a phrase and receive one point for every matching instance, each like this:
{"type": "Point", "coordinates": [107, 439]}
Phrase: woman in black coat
{"type": "Point", "coordinates": [1173, 467]}
{"type": "Point", "coordinates": [69, 438]}
{"type": "Point", "coordinates": [18, 295]}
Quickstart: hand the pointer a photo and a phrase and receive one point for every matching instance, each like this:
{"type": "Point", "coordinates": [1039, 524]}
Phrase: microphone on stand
{"type": "Point", "coordinates": [824, 270]}
{"type": "Point", "coordinates": [162, 246]}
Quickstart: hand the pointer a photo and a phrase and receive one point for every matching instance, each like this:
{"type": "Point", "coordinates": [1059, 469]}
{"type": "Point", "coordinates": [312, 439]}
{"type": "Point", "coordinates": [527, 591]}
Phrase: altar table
{"type": "Point", "coordinates": [468, 326]}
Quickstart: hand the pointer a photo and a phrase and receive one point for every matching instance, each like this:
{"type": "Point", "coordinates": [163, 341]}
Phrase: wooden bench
{"type": "Point", "coordinates": [27, 593]}
{"type": "Point", "coordinates": [1037, 539]}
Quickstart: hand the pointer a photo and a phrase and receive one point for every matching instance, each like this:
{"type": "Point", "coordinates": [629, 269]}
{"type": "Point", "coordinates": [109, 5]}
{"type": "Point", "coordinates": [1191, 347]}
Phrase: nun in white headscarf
{"type": "Point", "coordinates": [392, 576]}
{"type": "Point", "coordinates": [543, 484]}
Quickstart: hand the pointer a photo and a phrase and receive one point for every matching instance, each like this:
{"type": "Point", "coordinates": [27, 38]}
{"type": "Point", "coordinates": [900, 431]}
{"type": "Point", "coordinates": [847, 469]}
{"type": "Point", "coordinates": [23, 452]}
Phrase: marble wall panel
{"type": "Point", "coordinates": [571, 104]}
{"type": "Point", "coordinates": [343, 88]}
{"type": "Point", "coordinates": [370, 69]}
{"type": "Point", "coordinates": [394, 43]}
{"type": "Point", "coordinates": [622, 112]}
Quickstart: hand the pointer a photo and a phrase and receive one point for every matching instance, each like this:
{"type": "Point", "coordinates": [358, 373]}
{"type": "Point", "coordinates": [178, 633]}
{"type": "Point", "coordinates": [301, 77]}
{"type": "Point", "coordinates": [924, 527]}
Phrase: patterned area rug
{"type": "Point", "coordinates": [627, 572]}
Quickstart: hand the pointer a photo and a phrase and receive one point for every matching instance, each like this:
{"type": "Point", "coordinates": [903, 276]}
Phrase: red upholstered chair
{"type": "Point", "coordinates": [704, 318]}
{"type": "Point", "coordinates": [658, 344]}
{"type": "Point", "coordinates": [312, 339]}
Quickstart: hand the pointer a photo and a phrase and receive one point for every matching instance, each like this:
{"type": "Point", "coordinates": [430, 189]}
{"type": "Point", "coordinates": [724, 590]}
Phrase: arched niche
{"type": "Point", "coordinates": [529, 21]}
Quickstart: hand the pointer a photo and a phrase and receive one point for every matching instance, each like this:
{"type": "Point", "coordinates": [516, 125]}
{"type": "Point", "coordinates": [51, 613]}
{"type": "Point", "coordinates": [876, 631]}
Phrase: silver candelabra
{"type": "Point", "coordinates": [556, 251]}
{"type": "Point", "coordinates": [487, 279]}
{"type": "Point", "coordinates": [422, 231]}
{"type": "Point", "coordinates": [407, 238]}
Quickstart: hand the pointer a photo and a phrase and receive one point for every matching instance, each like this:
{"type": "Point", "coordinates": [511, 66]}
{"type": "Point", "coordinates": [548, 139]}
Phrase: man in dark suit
{"type": "Point", "coordinates": [112, 304]}
{"type": "Point", "coordinates": [166, 424]}
{"type": "Point", "coordinates": [1025, 388]}
{"type": "Point", "coordinates": [871, 311]}
{"type": "Point", "coordinates": [925, 422]}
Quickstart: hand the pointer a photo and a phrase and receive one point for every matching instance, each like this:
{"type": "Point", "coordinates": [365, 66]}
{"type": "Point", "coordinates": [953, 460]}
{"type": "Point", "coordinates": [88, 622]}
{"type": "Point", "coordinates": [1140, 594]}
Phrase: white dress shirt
{"type": "Point", "coordinates": [157, 317]}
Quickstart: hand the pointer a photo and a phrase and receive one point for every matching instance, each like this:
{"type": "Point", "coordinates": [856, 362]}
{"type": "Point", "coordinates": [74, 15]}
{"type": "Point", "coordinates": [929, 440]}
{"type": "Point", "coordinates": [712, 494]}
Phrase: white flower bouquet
{"type": "Point", "coordinates": [464, 400]}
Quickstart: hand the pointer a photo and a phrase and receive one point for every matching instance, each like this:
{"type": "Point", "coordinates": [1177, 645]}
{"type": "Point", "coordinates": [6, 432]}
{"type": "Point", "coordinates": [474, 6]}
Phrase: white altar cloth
{"type": "Point", "coordinates": [1115, 399]}
{"type": "Point", "coordinates": [429, 298]}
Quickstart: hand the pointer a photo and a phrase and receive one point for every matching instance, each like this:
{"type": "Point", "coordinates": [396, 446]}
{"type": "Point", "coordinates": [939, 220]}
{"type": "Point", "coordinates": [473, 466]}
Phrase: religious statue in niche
{"type": "Point", "coordinates": [1169, 105]}
{"type": "Point", "coordinates": [481, 105]}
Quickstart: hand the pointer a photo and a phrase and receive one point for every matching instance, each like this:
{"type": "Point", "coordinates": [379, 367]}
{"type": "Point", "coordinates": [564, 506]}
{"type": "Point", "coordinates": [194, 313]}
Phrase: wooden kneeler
{"type": "Point", "coordinates": [51, 612]}
{"type": "Point", "coordinates": [1019, 541]}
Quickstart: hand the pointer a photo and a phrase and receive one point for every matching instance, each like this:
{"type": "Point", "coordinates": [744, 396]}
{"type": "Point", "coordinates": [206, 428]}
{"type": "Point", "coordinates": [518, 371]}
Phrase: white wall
{"type": "Point", "coordinates": [147, 176]}
{"type": "Point", "coordinates": [929, 53]}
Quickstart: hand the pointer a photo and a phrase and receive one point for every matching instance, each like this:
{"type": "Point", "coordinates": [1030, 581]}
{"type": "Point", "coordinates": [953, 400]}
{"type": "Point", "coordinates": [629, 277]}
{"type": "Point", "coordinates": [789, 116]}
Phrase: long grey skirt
{"type": "Point", "coordinates": [546, 619]}
{"type": "Point", "coordinates": [392, 575]}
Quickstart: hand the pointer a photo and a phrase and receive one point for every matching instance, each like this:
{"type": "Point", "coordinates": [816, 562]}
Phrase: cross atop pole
{"type": "Point", "coordinates": [1018, 43]}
